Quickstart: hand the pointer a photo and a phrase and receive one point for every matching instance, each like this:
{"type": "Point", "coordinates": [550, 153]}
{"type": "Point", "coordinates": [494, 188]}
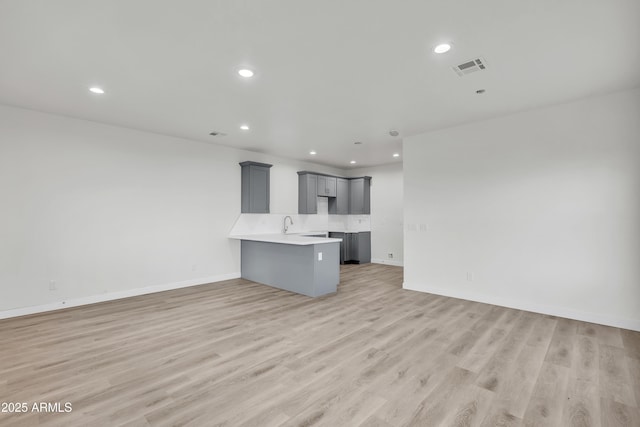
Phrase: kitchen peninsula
{"type": "Point", "coordinates": [303, 264]}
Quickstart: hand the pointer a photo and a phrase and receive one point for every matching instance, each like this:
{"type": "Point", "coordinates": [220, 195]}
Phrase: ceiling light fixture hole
{"type": "Point", "coordinates": [442, 48]}
{"type": "Point", "coordinates": [246, 73]}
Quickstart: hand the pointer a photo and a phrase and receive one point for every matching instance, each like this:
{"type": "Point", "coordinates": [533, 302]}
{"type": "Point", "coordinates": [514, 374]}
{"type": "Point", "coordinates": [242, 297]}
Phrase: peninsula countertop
{"type": "Point", "coordinates": [288, 239]}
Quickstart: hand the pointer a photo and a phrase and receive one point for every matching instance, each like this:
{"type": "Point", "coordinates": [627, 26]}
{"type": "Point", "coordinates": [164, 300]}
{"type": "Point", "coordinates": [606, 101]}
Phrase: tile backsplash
{"type": "Point", "coordinates": [322, 221]}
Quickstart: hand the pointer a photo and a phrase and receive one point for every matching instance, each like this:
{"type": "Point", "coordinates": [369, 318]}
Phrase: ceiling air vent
{"type": "Point", "coordinates": [470, 66]}
{"type": "Point", "coordinates": [214, 133]}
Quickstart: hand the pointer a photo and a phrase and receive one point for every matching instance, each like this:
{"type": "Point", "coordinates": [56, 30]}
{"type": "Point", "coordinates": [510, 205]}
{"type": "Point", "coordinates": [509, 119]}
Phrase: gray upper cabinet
{"type": "Point", "coordinates": [307, 193]}
{"type": "Point", "coordinates": [346, 195]}
{"type": "Point", "coordinates": [331, 186]}
{"type": "Point", "coordinates": [326, 186]}
{"type": "Point", "coordinates": [339, 205]}
{"type": "Point", "coordinates": [255, 187]}
{"type": "Point", "coordinates": [360, 195]}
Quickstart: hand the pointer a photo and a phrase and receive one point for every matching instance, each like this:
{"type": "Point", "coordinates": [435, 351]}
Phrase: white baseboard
{"type": "Point", "coordinates": [618, 322]}
{"type": "Point", "coordinates": [387, 261]}
{"type": "Point", "coordinates": [110, 296]}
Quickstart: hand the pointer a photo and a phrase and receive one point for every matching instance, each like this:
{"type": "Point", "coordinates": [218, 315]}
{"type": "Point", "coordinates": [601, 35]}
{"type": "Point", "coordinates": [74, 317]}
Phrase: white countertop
{"type": "Point", "coordinates": [289, 239]}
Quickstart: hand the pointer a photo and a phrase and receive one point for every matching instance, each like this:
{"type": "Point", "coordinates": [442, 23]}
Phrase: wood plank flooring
{"type": "Point", "coordinates": [237, 353]}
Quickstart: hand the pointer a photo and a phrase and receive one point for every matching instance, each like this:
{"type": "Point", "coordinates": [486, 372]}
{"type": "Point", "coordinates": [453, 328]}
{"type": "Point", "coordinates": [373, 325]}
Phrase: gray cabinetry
{"type": "Point", "coordinates": [363, 254]}
{"type": "Point", "coordinates": [360, 196]}
{"type": "Point", "coordinates": [326, 186]}
{"type": "Point", "coordinates": [314, 271]}
{"type": "Point", "coordinates": [255, 187]}
{"type": "Point", "coordinates": [346, 195]}
{"type": "Point", "coordinates": [307, 193]}
{"type": "Point", "coordinates": [352, 246]}
{"type": "Point", "coordinates": [355, 248]}
{"type": "Point", "coordinates": [343, 245]}
{"type": "Point", "coordinates": [339, 205]}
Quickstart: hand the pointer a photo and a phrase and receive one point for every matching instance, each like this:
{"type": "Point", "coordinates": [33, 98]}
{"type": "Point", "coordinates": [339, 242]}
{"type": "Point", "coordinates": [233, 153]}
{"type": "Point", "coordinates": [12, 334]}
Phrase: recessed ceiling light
{"type": "Point", "coordinates": [244, 127]}
{"type": "Point", "coordinates": [442, 48]}
{"type": "Point", "coordinates": [313, 153]}
{"type": "Point", "coordinates": [396, 155]}
{"type": "Point", "coordinates": [394, 132]}
{"type": "Point", "coordinates": [353, 162]}
{"type": "Point", "coordinates": [245, 72]}
{"type": "Point", "coordinates": [97, 90]}
{"type": "Point", "coordinates": [358, 142]}
{"type": "Point", "coordinates": [480, 91]}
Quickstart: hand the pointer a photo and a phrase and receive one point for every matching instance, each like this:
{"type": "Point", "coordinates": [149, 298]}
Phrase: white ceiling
{"type": "Point", "coordinates": [328, 73]}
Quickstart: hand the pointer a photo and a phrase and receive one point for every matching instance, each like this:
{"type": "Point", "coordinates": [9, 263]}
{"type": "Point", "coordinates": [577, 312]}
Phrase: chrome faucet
{"type": "Point", "coordinates": [284, 224]}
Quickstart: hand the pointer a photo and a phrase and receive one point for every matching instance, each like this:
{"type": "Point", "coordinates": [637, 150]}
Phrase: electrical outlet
{"type": "Point", "coordinates": [423, 227]}
{"type": "Point", "coordinates": [390, 255]}
{"type": "Point", "coordinates": [194, 267]}
{"type": "Point", "coordinates": [53, 285]}
{"type": "Point", "coordinates": [319, 256]}
{"type": "Point", "coordinates": [470, 276]}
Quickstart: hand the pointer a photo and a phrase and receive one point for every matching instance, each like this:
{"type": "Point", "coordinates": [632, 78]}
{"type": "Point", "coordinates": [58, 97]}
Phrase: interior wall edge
{"type": "Point", "coordinates": [387, 262]}
{"type": "Point", "coordinates": [111, 296]}
{"type": "Point", "coordinates": [568, 313]}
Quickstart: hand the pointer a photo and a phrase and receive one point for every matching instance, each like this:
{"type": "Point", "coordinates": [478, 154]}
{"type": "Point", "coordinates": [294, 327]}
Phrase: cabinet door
{"type": "Point", "coordinates": [326, 186]}
{"type": "Point", "coordinates": [322, 185]}
{"type": "Point", "coordinates": [255, 187]}
{"type": "Point", "coordinates": [342, 196]}
{"type": "Point", "coordinates": [338, 235]}
{"type": "Point", "coordinates": [353, 247]}
{"type": "Point", "coordinates": [356, 196]}
{"type": "Point", "coordinates": [339, 205]}
{"type": "Point", "coordinates": [259, 199]}
{"type": "Point", "coordinates": [346, 250]}
{"type": "Point", "coordinates": [364, 247]}
{"type": "Point", "coordinates": [330, 186]}
{"type": "Point", "coordinates": [360, 196]}
{"type": "Point", "coordinates": [366, 195]}
{"type": "Point", "coordinates": [307, 194]}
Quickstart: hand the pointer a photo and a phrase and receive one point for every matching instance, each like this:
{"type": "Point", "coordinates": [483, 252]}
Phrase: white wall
{"type": "Point", "coordinates": [386, 212]}
{"type": "Point", "coordinates": [107, 211]}
{"type": "Point", "coordinates": [543, 207]}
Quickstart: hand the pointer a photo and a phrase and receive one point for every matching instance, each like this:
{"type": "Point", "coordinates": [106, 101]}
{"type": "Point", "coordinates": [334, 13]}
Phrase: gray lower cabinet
{"type": "Point", "coordinates": [360, 196]}
{"type": "Point", "coordinates": [355, 248]}
{"type": "Point", "coordinates": [352, 247]}
{"type": "Point", "coordinates": [307, 193]}
{"type": "Point", "coordinates": [339, 205]}
{"type": "Point", "coordinates": [339, 235]}
{"type": "Point", "coordinates": [311, 270]}
{"type": "Point", "coordinates": [363, 255]}
{"type": "Point", "coordinates": [255, 187]}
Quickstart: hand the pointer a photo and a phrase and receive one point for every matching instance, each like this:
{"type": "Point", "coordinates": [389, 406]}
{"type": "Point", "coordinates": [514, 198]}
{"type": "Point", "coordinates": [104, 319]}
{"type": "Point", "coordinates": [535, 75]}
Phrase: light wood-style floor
{"type": "Point", "coordinates": [237, 353]}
